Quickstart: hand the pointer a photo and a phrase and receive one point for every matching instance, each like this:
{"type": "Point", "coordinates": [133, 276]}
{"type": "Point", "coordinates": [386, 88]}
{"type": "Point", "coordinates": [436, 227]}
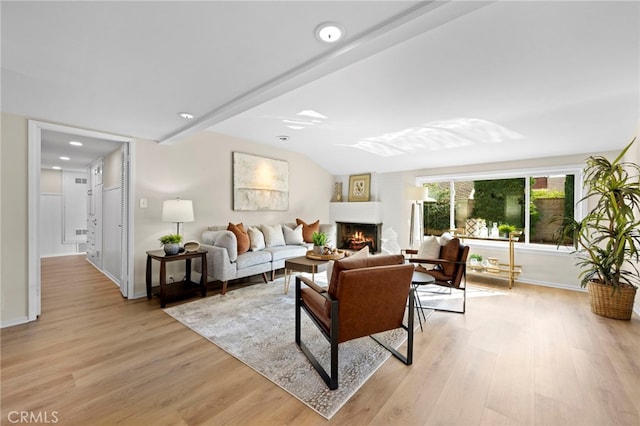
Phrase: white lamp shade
{"type": "Point", "coordinates": [177, 211]}
{"type": "Point", "coordinates": [418, 193]}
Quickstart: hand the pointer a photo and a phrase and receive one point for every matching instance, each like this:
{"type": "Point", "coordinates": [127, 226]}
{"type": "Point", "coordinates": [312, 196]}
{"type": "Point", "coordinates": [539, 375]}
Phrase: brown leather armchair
{"type": "Point", "coordinates": [365, 296]}
{"type": "Point", "coordinates": [450, 270]}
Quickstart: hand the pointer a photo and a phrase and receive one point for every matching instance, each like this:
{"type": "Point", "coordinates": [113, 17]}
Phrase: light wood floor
{"type": "Point", "coordinates": [533, 356]}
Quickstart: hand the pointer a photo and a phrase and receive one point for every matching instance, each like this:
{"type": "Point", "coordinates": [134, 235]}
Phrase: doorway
{"type": "Point", "coordinates": [125, 204]}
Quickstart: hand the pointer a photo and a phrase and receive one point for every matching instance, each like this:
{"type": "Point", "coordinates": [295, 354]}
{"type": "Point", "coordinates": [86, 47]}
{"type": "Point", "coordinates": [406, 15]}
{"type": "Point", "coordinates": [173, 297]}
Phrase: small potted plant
{"type": "Point", "coordinates": [607, 239]}
{"type": "Point", "coordinates": [475, 261]}
{"type": "Point", "coordinates": [319, 241]}
{"type": "Point", "coordinates": [171, 243]}
{"type": "Point", "coordinates": [505, 229]}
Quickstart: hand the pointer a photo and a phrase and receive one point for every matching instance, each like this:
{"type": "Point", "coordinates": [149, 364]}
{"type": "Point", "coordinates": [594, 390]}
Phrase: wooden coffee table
{"type": "Point", "coordinates": [302, 264]}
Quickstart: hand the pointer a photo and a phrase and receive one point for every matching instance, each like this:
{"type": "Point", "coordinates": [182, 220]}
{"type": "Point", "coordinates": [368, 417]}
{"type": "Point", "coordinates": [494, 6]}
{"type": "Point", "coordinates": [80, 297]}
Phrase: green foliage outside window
{"type": "Point", "coordinates": [436, 215]}
{"type": "Point", "coordinates": [492, 199]}
{"type": "Point", "coordinates": [569, 198]}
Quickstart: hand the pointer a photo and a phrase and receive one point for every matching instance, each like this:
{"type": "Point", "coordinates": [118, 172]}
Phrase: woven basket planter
{"type": "Point", "coordinates": [607, 303]}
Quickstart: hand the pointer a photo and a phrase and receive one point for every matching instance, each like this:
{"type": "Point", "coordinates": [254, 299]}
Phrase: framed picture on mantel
{"type": "Point", "coordinates": [359, 187]}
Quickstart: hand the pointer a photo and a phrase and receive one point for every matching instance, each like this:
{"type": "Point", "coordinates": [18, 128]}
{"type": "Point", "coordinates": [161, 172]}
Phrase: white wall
{"type": "Point", "coordinates": [200, 169]}
{"type": "Point", "coordinates": [13, 220]}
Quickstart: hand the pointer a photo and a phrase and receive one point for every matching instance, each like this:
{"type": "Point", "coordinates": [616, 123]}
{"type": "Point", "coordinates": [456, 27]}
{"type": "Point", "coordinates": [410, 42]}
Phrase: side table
{"type": "Point", "coordinates": [169, 289]}
{"type": "Point", "coordinates": [302, 264]}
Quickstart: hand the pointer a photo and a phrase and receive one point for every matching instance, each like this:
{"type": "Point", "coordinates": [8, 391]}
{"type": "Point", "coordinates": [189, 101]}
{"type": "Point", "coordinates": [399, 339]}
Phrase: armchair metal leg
{"type": "Point", "coordinates": [464, 298]}
{"type": "Point", "coordinates": [331, 381]}
{"type": "Point", "coordinates": [408, 359]}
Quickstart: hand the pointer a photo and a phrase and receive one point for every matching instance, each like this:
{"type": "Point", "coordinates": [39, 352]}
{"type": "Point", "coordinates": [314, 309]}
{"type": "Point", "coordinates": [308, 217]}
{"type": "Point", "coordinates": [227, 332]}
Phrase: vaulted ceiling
{"type": "Point", "coordinates": [411, 85]}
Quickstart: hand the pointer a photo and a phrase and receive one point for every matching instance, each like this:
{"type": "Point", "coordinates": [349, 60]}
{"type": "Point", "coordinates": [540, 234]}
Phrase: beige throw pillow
{"type": "Point", "coordinates": [273, 236]}
{"type": "Point", "coordinates": [429, 249]}
{"type": "Point", "coordinates": [256, 237]}
{"type": "Point", "coordinates": [293, 236]}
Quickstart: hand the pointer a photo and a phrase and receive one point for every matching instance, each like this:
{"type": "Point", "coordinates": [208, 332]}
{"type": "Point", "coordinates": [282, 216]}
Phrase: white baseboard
{"type": "Point", "coordinates": [552, 285]}
{"type": "Point", "coordinates": [14, 321]}
{"type": "Point", "coordinates": [139, 295]}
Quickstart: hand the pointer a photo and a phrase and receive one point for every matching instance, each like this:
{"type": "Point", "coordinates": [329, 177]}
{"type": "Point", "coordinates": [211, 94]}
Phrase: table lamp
{"type": "Point", "coordinates": [178, 211]}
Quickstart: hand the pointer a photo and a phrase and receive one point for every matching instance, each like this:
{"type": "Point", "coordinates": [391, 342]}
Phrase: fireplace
{"type": "Point", "coordinates": [355, 236]}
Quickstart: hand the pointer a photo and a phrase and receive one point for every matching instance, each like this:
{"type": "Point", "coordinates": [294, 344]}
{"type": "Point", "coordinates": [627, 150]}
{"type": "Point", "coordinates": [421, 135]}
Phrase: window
{"type": "Point", "coordinates": [486, 207]}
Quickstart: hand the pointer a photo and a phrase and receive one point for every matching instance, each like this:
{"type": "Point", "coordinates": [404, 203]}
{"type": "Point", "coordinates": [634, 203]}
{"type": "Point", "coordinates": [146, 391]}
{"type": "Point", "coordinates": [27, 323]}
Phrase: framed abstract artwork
{"type": "Point", "coordinates": [260, 183]}
{"type": "Point", "coordinates": [359, 187]}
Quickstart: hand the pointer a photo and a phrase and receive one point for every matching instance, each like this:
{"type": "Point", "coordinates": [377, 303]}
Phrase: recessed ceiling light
{"type": "Point", "coordinates": [186, 115]}
{"type": "Point", "coordinates": [57, 168]}
{"type": "Point", "coordinates": [283, 138]}
{"type": "Point", "coordinates": [75, 143]}
{"type": "Point", "coordinates": [296, 127]}
{"type": "Point", "coordinates": [65, 158]}
{"type": "Point", "coordinates": [329, 32]}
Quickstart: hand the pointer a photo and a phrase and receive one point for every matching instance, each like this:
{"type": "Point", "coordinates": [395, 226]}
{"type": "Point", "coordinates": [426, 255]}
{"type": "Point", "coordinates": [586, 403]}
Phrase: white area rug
{"type": "Point", "coordinates": [256, 324]}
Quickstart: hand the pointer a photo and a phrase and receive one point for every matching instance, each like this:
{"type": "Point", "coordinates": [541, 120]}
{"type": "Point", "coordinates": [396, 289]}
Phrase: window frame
{"type": "Point", "coordinates": [526, 173]}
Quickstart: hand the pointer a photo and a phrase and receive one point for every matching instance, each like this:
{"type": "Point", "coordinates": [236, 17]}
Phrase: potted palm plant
{"type": "Point", "coordinates": [607, 239]}
{"type": "Point", "coordinates": [319, 241]}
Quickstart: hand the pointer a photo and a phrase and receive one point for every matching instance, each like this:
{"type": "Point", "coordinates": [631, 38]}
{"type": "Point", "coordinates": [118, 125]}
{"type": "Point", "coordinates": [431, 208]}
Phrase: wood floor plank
{"type": "Point", "coordinates": [526, 356]}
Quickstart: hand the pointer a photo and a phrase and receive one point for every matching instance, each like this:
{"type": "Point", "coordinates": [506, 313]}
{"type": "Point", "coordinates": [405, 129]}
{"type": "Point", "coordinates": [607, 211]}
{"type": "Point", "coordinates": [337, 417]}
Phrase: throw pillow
{"type": "Point", "coordinates": [308, 229]}
{"type": "Point", "coordinates": [273, 236]}
{"type": "Point", "coordinates": [331, 231]}
{"type": "Point", "coordinates": [429, 249]}
{"type": "Point", "coordinates": [241, 236]}
{"type": "Point", "coordinates": [362, 253]}
{"type": "Point", "coordinates": [445, 238]}
{"type": "Point", "coordinates": [256, 237]}
{"type": "Point", "coordinates": [293, 236]}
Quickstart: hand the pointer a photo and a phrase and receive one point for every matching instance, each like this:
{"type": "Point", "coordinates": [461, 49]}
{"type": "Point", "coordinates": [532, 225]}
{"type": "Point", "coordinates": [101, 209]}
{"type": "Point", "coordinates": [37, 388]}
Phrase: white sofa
{"type": "Point", "coordinates": [224, 263]}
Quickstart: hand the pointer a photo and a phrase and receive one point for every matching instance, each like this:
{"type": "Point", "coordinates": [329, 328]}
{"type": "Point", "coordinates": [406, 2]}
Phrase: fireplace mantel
{"type": "Point", "coordinates": [360, 212]}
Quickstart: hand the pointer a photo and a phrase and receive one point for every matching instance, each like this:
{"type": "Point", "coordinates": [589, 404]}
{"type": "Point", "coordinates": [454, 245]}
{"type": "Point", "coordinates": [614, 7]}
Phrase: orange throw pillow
{"type": "Point", "coordinates": [241, 235]}
{"type": "Point", "coordinates": [308, 229]}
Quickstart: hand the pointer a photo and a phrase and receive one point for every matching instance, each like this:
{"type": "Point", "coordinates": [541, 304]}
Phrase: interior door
{"type": "Point", "coordinates": [114, 242]}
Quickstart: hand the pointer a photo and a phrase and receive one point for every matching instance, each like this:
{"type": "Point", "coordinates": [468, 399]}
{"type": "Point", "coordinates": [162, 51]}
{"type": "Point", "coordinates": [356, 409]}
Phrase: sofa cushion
{"type": "Point", "coordinates": [292, 236]}
{"type": "Point", "coordinates": [252, 258]}
{"type": "Point", "coordinates": [241, 236]}
{"type": "Point", "coordinates": [286, 252]}
{"type": "Point", "coordinates": [273, 236]}
{"type": "Point", "coordinates": [308, 229]}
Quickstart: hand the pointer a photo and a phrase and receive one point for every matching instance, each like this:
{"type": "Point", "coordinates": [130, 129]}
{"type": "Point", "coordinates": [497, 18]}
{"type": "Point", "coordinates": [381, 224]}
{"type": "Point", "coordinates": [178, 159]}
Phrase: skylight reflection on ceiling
{"type": "Point", "coordinates": [437, 136]}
